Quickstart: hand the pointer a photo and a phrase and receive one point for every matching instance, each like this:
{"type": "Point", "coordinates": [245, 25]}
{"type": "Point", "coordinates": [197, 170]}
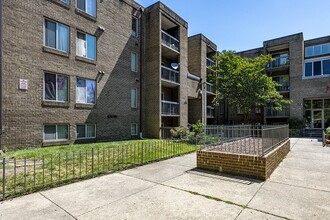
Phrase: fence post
{"type": "Point", "coordinates": [3, 178]}
{"type": "Point", "coordinates": [92, 162]}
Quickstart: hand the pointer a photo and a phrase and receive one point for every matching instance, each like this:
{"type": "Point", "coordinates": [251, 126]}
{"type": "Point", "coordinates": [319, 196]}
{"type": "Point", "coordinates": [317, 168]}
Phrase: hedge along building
{"type": "Point", "coordinates": [86, 70]}
{"type": "Point", "coordinates": [302, 67]}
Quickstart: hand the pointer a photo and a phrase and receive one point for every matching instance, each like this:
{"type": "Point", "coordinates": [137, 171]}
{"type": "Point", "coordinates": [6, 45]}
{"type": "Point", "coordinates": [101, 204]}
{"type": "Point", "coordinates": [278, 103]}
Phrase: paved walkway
{"type": "Point", "coordinates": [171, 189]}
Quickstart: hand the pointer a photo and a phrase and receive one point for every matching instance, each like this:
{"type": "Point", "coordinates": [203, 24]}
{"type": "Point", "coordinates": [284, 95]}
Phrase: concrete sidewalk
{"type": "Point", "coordinates": [172, 189]}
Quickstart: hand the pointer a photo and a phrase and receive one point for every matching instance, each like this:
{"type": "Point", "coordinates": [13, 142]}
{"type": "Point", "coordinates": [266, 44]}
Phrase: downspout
{"type": "Point", "coordinates": [1, 57]}
{"type": "Point", "coordinates": [141, 61]}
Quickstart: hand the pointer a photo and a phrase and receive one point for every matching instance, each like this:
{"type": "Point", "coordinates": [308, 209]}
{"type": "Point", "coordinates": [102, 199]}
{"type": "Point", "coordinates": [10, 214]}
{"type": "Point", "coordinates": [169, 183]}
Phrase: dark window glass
{"type": "Point", "coordinates": [50, 132]}
{"type": "Point", "coordinates": [326, 67]}
{"type": "Point", "coordinates": [50, 86]}
{"type": "Point", "coordinates": [81, 132]}
{"type": "Point", "coordinates": [81, 4]}
{"type": "Point", "coordinates": [308, 69]}
{"type": "Point", "coordinates": [307, 104]}
{"type": "Point", "coordinates": [317, 68]}
{"type": "Point", "coordinates": [318, 103]}
{"type": "Point", "coordinates": [50, 38]}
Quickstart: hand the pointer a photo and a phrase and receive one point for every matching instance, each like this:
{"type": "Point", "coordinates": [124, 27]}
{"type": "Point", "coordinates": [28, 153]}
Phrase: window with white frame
{"type": "Point", "coordinates": [88, 6]}
{"type": "Point", "coordinates": [316, 50]}
{"type": "Point", "coordinates": [56, 132]}
{"type": "Point", "coordinates": [135, 27]}
{"type": "Point", "coordinates": [134, 62]}
{"type": "Point", "coordinates": [86, 131]}
{"type": "Point", "coordinates": [85, 91]}
{"type": "Point", "coordinates": [56, 35]}
{"type": "Point", "coordinates": [86, 45]}
{"type": "Point", "coordinates": [134, 129]}
{"type": "Point", "coordinates": [317, 67]}
{"type": "Point", "coordinates": [55, 87]}
{"type": "Point", "coordinates": [134, 98]}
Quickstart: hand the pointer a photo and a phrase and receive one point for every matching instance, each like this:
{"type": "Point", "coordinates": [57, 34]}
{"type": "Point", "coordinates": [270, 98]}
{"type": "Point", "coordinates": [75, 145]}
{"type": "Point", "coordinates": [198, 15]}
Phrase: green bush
{"type": "Point", "coordinates": [296, 123]}
{"type": "Point", "coordinates": [181, 133]}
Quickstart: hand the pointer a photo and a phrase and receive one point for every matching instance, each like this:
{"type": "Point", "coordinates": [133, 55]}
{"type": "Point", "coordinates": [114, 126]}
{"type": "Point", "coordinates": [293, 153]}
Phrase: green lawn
{"type": "Point", "coordinates": [37, 152]}
{"type": "Point", "coordinates": [31, 170]}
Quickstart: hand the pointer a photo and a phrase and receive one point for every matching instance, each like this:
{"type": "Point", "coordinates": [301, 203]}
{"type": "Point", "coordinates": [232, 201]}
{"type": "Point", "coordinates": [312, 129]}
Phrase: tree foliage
{"type": "Point", "coordinates": [242, 82]}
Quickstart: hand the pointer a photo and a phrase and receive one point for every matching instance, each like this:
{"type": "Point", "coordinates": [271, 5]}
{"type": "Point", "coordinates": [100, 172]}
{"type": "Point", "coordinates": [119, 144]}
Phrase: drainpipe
{"type": "Point", "coordinates": [141, 66]}
{"type": "Point", "coordinates": [1, 14]}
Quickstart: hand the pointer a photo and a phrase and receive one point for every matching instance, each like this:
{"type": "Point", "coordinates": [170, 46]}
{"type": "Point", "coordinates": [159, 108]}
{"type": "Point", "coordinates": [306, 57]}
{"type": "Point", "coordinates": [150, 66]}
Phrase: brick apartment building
{"type": "Point", "coordinates": [90, 70]}
{"type": "Point", "coordinates": [303, 69]}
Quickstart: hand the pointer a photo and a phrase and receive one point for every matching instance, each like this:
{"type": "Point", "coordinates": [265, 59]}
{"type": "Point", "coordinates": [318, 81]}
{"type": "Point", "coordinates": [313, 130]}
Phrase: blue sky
{"type": "Point", "coordinates": [244, 24]}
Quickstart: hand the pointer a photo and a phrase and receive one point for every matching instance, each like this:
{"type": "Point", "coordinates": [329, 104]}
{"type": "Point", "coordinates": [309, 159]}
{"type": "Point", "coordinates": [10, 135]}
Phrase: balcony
{"type": "Point", "coordinates": [270, 112]}
{"type": "Point", "coordinates": [209, 62]}
{"type": "Point", "coordinates": [170, 75]}
{"type": "Point", "coordinates": [210, 88]}
{"type": "Point", "coordinates": [210, 112]}
{"type": "Point", "coordinates": [280, 61]}
{"type": "Point", "coordinates": [283, 88]}
{"type": "Point", "coordinates": [170, 108]}
{"type": "Point", "coordinates": [170, 41]}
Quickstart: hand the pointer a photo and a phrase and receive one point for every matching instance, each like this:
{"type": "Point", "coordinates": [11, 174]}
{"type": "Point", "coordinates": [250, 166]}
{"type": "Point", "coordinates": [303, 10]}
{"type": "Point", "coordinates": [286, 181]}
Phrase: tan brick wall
{"type": "Point", "coordinates": [243, 165]}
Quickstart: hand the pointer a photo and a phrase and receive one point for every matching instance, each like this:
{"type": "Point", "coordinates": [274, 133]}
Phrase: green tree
{"type": "Point", "coordinates": [242, 82]}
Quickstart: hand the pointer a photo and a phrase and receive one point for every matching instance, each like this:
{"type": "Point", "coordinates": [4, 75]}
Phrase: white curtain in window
{"type": "Point", "coordinates": [90, 131]}
{"type": "Point", "coordinates": [81, 45]}
{"type": "Point", "coordinates": [81, 91]}
{"type": "Point", "coordinates": [63, 37]}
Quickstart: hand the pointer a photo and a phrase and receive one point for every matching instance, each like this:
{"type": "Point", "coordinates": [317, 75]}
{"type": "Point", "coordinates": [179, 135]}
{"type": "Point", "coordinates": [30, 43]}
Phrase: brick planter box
{"type": "Point", "coordinates": [258, 167]}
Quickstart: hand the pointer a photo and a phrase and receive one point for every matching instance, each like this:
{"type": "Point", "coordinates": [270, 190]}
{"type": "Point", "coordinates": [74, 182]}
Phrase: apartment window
{"type": "Point", "coordinates": [86, 131]}
{"type": "Point", "coordinates": [55, 87]}
{"type": "Point", "coordinates": [85, 90]}
{"type": "Point", "coordinates": [135, 27]}
{"type": "Point", "coordinates": [238, 109]}
{"type": "Point", "coordinates": [134, 129]}
{"type": "Point", "coordinates": [134, 98]}
{"type": "Point", "coordinates": [88, 6]}
{"type": "Point", "coordinates": [56, 132]}
{"type": "Point", "coordinates": [86, 46]}
{"type": "Point", "coordinates": [317, 67]}
{"type": "Point", "coordinates": [258, 110]}
{"type": "Point", "coordinates": [65, 1]}
{"type": "Point", "coordinates": [317, 50]}
{"type": "Point", "coordinates": [134, 62]}
{"type": "Point", "coordinates": [56, 36]}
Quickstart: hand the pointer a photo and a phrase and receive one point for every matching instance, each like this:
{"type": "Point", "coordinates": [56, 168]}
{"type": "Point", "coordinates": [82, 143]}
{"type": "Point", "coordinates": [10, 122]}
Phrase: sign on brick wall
{"type": "Point", "coordinates": [23, 84]}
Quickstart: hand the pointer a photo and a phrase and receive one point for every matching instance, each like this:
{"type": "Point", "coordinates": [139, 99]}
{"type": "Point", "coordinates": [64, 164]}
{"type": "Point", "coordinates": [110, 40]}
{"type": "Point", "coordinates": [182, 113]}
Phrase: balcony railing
{"type": "Point", "coordinates": [279, 61]}
{"type": "Point", "coordinates": [170, 108]}
{"type": "Point", "coordinates": [170, 75]}
{"type": "Point", "coordinates": [283, 88]}
{"type": "Point", "coordinates": [170, 41]}
{"type": "Point", "coordinates": [210, 88]}
{"type": "Point", "coordinates": [272, 113]}
{"type": "Point", "coordinates": [209, 62]}
{"type": "Point", "coordinates": [210, 112]}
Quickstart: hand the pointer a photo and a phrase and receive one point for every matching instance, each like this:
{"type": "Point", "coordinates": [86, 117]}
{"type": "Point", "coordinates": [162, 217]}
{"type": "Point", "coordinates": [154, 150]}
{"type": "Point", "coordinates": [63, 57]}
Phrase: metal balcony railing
{"type": "Point", "coordinates": [210, 88]}
{"type": "Point", "coordinates": [270, 112]}
{"type": "Point", "coordinates": [170, 75]}
{"type": "Point", "coordinates": [170, 41]}
{"type": "Point", "coordinates": [170, 108]}
{"type": "Point", "coordinates": [279, 61]}
{"type": "Point", "coordinates": [210, 112]}
{"type": "Point", "coordinates": [283, 88]}
{"type": "Point", "coordinates": [209, 62]}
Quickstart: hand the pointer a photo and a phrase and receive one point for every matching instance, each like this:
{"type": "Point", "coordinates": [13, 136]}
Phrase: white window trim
{"type": "Point", "coordinates": [312, 60]}
{"type": "Point", "coordinates": [85, 11]}
{"type": "Point", "coordinates": [86, 52]}
{"type": "Point", "coordinates": [136, 129]}
{"type": "Point", "coordinates": [137, 27]}
{"type": "Point", "coordinates": [136, 97]}
{"type": "Point", "coordinates": [86, 138]}
{"type": "Point", "coordinates": [44, 94]}
{"type": "Point", "coordinates": [56, 37]}
{"type": "Point", "coordinates": [95, 92]}
{"type": "Point", "coordinates": [136, 63]}
{"type": "Point", "coordinates": [56, 140]}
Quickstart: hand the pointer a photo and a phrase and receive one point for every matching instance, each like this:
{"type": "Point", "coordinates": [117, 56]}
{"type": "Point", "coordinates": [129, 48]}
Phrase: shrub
{"type": "Point", "coordinates": [180, 133]}
{"type": "Point", "coordinates": [296, 123]}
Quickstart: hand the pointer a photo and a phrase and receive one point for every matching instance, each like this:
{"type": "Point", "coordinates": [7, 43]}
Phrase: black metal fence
{"type": "Point", "coordinates": [25, 175]}
{"type": "Point", "coordinates": [244, 139]}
